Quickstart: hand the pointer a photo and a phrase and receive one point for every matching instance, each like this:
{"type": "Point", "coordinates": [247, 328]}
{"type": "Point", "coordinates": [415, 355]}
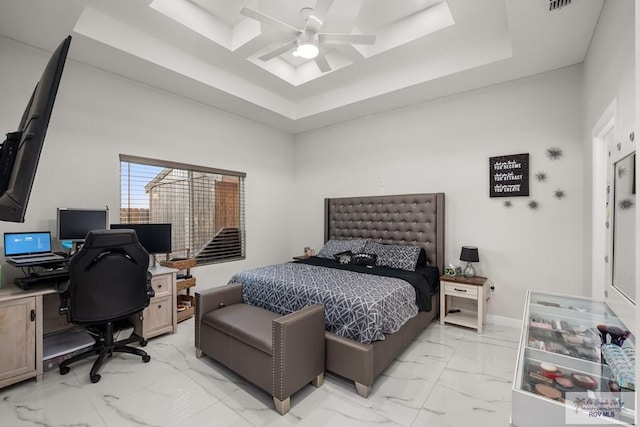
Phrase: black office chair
{"type": "Point", "coordinates": [108, 282]}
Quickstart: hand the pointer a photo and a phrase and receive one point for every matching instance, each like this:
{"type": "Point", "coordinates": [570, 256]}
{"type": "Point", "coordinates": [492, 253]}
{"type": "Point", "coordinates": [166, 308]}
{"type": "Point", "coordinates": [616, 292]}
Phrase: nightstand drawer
{"type": "Point", "coordinates": [461, 290]}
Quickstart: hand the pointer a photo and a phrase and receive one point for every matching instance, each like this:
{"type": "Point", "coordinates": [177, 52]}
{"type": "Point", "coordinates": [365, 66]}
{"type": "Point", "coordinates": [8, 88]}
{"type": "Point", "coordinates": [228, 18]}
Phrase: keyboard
{"type": "Point", "coordinates": [35, 259]}
{"type": "Point", "coordinates": [47, 278]}
{"type": "Point", "coordinates": [53, 273]}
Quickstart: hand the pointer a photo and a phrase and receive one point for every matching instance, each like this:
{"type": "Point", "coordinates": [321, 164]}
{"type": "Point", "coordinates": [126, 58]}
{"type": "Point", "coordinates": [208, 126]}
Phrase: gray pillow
{"type": "Point", "coordinates": [335, 246]}
{"type": "Point", "coordinates": [403, 257]}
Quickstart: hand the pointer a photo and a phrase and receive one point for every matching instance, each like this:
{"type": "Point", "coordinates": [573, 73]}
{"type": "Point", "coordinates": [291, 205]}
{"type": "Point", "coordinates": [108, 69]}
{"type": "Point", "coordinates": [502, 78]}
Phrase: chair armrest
{"type": "Point", "coordinates": [63, 291]}
{"type": "Point", "coordinates": [298, 350]}
{"type": "Point", "coordinates": [149, 288]}
{"type": "Point", "coordinates": [213, 299]}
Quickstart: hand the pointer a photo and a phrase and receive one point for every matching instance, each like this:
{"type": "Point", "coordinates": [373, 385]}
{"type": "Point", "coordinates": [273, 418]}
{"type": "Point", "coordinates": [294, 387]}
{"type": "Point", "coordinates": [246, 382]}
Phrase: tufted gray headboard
{"type": "Point", "coordinates": [415, 219]}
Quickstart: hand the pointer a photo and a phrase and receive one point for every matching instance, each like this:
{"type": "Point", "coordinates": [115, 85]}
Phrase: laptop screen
{"type": "Point", "coordinates": [27, 243]}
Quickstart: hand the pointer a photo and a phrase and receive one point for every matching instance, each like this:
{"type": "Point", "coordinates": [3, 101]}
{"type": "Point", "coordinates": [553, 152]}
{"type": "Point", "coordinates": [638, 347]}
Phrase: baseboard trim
{"type": "Point", "coordinates": [504, 321]}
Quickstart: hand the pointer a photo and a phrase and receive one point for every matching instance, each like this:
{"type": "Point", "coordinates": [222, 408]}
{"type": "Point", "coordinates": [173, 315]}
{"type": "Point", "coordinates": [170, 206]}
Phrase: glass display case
{"type": "Point", "coordinates": [561, 376]}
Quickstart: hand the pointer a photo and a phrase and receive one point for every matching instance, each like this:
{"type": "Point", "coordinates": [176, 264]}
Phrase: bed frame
{"type": "Point", "coordinates": [415, 219]}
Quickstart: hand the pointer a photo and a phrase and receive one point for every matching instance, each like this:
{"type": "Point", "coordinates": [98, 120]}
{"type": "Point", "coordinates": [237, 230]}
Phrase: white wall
{"type": "Point", "coordinates": [609, 77]}
{"type": "Point", "coordinates": [637, 120]}
{"type": "Point", "coordinates": [98, 115]}
{"type": "Point", "coordinates": [445, 146]}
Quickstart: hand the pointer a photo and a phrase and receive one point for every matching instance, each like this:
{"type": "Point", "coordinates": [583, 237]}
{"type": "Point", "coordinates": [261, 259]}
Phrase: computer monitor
{"type": "Point", "coordinates": [155, 238]}
{"type": "Point", "coordinates": [20, 152]}
{"type": "Point", "coordinates": [74, 224]}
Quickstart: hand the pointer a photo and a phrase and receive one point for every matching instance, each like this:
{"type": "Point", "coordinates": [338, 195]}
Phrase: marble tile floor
{"type": "Point", "coordinates": [450, 376]}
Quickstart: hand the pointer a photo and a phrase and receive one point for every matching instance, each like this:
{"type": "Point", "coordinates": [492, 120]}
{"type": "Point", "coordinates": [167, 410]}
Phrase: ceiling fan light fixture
{"type": "Point", "coordinates": [307, 45]}
{"type": "Point", "coordinates": [307, 50]}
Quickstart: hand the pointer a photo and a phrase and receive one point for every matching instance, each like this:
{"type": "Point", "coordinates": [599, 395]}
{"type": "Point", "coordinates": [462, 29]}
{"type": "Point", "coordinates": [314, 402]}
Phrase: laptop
{"type": "Point", "coordinates": [29, 248]}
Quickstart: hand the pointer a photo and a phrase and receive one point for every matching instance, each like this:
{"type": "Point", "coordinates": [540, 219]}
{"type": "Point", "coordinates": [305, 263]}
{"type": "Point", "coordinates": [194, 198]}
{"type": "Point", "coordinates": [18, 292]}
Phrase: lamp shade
{"type": "Point", "coordinates": [469, 254]}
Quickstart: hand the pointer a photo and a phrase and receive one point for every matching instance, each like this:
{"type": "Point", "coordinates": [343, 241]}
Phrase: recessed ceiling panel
{"type": "Point", "coordinates": [376, 14]}
{"type": "Point", "coordinates": [395, 23]}
{"type": "Point", "coordinates": [224, 10]}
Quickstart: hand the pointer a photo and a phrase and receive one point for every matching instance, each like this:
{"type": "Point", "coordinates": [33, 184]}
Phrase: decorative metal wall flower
{"type": "Point", "coordinates": [508, 204]}
{"type": "Point", "coordinates": [533, 205]}
{"type": "Point", "coordinates": [541, 176]}
{"type": "Point", "coordinates": [554, 153]}
{"type": "Point", "coordinates": [559, 194]}
{"type": "Point", "coordinates": [625, 204]}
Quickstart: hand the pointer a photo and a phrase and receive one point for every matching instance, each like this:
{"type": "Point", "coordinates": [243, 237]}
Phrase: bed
{"type": "Point", "coordinates": [373, 337]}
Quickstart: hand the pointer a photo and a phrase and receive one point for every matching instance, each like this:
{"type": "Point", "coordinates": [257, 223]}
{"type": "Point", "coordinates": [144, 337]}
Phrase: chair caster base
{"type": "Point", "coordinates": [146, 358]}
{"type": "Point", "coordinates": [64, 370]}
{"type": "Point", "coordinates": [95, 378]}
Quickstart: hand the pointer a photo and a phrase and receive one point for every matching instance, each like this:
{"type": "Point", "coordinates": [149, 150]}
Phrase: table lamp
{"type": "Point", "coordinates": [469, 254]}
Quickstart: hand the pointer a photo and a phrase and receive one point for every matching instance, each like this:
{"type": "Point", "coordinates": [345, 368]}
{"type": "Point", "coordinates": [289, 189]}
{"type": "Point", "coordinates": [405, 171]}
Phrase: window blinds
{"type": "Point", "coordinates": [205, 206]}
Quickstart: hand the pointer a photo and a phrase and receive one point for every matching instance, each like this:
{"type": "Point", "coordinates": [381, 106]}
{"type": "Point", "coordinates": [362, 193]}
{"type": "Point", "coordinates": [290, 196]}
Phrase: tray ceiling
{"type": "Point", "coordinates": [207, 51]}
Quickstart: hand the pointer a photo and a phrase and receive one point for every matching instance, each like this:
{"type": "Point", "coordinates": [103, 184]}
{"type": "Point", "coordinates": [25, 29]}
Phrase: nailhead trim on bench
{"type": "Point", "coordinates": [276, 329]}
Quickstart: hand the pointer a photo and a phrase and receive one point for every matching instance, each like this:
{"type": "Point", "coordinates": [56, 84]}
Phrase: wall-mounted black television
{"type": "Point", "coordinates": [156, 238]}
{"type": "Point", "coordinates": [74, 224]}
{"type": "Point", "coordinates": [20, 151]}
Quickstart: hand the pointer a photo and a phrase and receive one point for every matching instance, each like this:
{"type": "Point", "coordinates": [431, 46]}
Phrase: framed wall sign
{"type": "Point", "coordinates": [509, 175]}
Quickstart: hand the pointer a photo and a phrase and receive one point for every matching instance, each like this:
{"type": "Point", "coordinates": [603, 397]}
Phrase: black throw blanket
{"type": "Point", "coordinates": [425, 280]}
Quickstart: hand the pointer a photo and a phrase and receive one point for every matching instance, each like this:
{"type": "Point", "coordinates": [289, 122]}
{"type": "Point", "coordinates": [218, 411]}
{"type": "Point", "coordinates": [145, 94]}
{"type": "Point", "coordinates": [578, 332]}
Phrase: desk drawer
{"type": "Point", "coordinates": [161, 285]}
{"type": "Point", "coordinates": [459, 289]}
{"type": "Point", "coordinates": [158, 316]}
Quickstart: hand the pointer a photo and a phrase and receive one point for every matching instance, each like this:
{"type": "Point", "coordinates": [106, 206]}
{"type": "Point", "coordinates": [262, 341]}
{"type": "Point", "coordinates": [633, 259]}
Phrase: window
{"type": "Point", "coordinates": [205, 206]}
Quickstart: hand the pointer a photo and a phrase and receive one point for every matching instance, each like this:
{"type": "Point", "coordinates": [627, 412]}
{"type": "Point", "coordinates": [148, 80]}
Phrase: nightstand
{"type": "Point", "coordinates": [471, 288]}
{"type": "Point", "coordinates": [301, 257]}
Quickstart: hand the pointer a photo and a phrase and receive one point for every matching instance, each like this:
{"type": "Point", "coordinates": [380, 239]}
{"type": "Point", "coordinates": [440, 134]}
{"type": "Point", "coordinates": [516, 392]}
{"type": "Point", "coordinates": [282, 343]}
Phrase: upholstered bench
{"type": "Point", "coordinates": [279, 354]}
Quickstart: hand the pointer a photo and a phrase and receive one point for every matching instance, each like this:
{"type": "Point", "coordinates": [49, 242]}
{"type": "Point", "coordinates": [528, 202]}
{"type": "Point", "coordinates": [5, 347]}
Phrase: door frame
{"type": "Point", "coordinates": [599, 247]}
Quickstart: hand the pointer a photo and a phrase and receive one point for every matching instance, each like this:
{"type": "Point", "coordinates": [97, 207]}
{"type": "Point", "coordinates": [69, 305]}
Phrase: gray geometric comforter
{"type": "Point", "coordinates": [358, 306]}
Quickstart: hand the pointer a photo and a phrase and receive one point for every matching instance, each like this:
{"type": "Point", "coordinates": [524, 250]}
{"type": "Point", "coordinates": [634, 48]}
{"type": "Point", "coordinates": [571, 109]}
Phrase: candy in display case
{"type": "Point", "coordinates": [576, 364]}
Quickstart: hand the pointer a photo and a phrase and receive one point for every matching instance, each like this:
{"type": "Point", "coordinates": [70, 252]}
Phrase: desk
{"type": "Point", "coordinates": [21, 324]}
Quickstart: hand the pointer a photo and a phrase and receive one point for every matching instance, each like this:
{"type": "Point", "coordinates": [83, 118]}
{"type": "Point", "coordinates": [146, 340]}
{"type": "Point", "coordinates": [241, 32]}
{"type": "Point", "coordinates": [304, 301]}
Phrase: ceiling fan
{"type": "Point", "coordinates": [308, 40]}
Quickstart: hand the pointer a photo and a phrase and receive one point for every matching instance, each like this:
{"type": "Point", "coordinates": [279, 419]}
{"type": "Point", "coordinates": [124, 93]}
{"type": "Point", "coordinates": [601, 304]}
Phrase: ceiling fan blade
{"type": "Point", "coordinates": [279, 51]}
{"type": "Point", "coordinates": [321, 62]}
{"type": "Point", "coordinates": [322, 8]}
{"type": "Point", "coordinates": [343, 38]}
{"type": "Point", "coordinates": [266, 19]}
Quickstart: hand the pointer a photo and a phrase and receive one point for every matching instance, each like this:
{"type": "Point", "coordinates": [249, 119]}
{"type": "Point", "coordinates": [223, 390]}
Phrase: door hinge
{"type": "Point", "coordinates": [606, 258]}
{"type": "Point", "coordinates": [33, 315]}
